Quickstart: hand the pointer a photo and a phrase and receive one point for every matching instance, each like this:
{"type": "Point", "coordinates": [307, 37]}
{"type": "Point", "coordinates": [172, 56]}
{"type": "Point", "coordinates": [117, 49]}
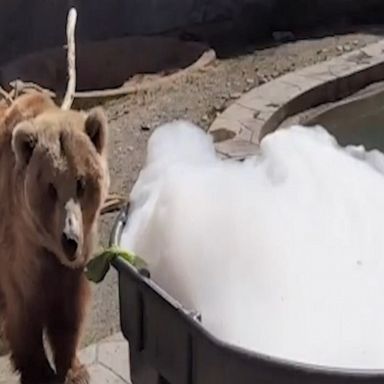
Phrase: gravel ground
{"type": "Point", "coordinates": [198, 97]}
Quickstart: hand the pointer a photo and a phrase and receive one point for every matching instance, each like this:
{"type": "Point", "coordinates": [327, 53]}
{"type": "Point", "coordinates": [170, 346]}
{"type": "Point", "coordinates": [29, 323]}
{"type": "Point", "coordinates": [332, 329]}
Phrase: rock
{"type": "Point", "coordinates": [145, 127]}
{"type": "Point", "coordinates": [263, 80]}
{"type": "Point", "coordinates": [235, 95]}
{"type": "Point", "coordinates": [219, 107]}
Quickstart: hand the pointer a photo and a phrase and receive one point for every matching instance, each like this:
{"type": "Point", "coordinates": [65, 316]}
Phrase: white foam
{"type": "Point", "coordinates": [282, 254]}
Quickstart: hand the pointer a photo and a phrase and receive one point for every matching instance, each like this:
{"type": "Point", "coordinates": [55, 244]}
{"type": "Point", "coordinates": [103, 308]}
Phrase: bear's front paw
{"type": "Point", "coordinates": [78, 375]}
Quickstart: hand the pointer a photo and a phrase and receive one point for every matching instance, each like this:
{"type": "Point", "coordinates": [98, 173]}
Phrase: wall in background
{"type": "Point", "coordinates": [28, 25]}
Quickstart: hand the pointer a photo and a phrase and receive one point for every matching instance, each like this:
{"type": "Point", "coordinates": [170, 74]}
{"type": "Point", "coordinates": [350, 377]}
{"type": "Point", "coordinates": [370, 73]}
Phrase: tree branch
{"type": "Point", "coordinates": [71, 58]}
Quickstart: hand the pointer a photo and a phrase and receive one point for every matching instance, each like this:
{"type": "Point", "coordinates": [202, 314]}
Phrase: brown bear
{"type": "Point", "coordinates": [54, 180]}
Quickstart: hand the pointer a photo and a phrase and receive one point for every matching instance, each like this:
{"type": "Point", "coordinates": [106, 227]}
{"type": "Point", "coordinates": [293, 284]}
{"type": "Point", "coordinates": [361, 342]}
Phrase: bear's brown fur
{"type": "Point", "coordinates": [54, 180]}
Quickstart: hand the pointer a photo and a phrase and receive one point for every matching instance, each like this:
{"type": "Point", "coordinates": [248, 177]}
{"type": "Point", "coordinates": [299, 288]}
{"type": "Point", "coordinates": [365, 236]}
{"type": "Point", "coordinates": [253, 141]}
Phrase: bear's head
{"type": "Point", "coordinates": [62, 179]}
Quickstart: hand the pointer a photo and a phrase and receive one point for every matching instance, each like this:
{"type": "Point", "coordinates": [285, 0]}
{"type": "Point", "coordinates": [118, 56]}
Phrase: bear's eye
{"type": "Point", "coordinates": [80, 187]}
{"type": "Point", "coordinates": [52, 191]}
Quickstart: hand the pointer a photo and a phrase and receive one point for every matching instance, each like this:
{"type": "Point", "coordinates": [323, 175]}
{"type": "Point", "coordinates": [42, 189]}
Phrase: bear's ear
{"type": "Point", "coordinates": [96, 128]}
{"type": "Point", "coordinates": [24, 139]}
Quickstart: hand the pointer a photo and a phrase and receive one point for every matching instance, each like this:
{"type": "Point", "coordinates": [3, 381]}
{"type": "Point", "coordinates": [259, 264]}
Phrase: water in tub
{"type": "Point", "coordinates": [282, 254]}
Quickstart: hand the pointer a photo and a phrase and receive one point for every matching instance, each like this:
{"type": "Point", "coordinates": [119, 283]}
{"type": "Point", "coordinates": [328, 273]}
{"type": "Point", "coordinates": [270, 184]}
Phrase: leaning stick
{"type": "Point", "coordinates": [114, 202]}
{"type": "Point", "coordinates": [71, 58]}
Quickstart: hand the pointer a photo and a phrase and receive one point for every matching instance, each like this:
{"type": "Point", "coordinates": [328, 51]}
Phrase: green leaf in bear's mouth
{"type": "Point", "coordinates": [98, 267]}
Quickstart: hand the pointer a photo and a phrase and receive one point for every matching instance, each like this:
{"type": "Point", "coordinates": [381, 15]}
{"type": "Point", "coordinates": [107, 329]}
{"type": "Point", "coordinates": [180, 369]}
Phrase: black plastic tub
{"type": "Point", "coordinates": [168, 344]}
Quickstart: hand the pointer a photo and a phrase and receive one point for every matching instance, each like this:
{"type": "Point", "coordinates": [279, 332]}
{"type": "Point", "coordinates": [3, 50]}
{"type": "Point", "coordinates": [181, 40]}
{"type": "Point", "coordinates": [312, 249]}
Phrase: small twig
{"type": "Point", "coordinates": [71, 58]}
{"type": "Point", "coordinates": [113, 203]}
{"type": "Point", "coordinates": [21, 86]}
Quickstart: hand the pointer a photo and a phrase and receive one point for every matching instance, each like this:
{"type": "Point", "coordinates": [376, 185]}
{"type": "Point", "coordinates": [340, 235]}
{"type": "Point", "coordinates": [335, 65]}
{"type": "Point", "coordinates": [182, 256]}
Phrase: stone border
{"type": "Point", "coordinates": [239, 129]}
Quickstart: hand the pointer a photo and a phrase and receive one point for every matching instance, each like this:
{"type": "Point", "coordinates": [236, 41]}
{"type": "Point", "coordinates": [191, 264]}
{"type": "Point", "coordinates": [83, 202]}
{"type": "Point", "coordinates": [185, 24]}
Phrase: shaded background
{"type": "Point", "coordinates": [30, 25]}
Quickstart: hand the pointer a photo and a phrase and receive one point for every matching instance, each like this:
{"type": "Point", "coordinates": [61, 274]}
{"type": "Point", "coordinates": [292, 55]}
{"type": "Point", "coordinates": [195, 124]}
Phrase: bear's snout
{"type": "Point", "coordinates": [71, 240]}
{"type": "Point", "coordinates": [70, 245]}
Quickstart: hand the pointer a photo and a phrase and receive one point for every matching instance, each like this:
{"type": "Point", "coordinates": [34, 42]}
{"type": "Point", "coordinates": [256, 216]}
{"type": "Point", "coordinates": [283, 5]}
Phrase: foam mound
{"type": "Point", "coordinates": [282, 254]}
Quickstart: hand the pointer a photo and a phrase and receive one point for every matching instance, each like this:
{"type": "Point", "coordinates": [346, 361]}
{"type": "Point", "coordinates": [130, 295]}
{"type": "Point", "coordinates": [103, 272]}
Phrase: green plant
{"type": "Point", "coordinates": [98, 267]}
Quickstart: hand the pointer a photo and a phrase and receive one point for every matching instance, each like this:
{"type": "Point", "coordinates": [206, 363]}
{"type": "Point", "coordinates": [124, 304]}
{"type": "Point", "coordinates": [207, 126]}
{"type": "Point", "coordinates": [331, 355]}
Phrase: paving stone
{"type": "Point", "coordinates": [115, 337]}
{"type": "Point", "coordinates": [229, 124]}
{"type": "Point", "coordinates": [375, 50]}
{"type": "Point", "coordinates": [360, 57]}
{"type": "Point", "coordinates": [254, 102]}
{"type": "Point", "coordinates": [238, 119]}
{"type": "Point", "coordinates": [257, 126]}
{"type": "Point", "coordinates": [240, 113]}
{"type": "Point", "coordinates": [102, 375]}
{"type": "Point", "coordinates": [301, 82]}
{"type": "Point", "coordinates": [115, 355]}
{"type": "Point", "coordinates": [256, 137]}
{"type": "Point", "coordinates": [318, 72]}
{"type": "Point", "coordinates": [244, 134]}
{"type": "Point", "coordinates": [275, 93]}
{"type": "Point", "coordinates": [342, 68]}
{"type": "Point", "coordinates": [252, 119]}
{"type": "Point", "coordinates": [88, 356]}
{"type": "Point", "coordinates": [237, 148]}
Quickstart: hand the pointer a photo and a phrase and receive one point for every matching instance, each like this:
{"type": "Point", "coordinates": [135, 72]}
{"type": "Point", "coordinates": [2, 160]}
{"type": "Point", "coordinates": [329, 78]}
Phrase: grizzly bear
{"type": "Point", "coordinates": [54, 180]}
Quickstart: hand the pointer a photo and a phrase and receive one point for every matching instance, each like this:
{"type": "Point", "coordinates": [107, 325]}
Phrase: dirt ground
{"type": "Point", "coordinates": [197, 97]}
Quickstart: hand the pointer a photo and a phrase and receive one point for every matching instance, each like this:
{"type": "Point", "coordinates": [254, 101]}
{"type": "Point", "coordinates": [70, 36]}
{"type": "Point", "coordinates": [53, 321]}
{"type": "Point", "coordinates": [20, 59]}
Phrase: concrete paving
{"type": "Point", "coordinates": [107, 362]}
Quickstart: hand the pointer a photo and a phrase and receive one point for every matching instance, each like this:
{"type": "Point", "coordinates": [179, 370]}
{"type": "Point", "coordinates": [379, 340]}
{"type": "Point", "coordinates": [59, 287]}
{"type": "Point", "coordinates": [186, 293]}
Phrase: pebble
{"type": "Point", "coordinates": [263, 79]}
{"type": "Point", "coordinates": [235, 95]}
{"type": "Point", "coordinates": [219, 107]}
